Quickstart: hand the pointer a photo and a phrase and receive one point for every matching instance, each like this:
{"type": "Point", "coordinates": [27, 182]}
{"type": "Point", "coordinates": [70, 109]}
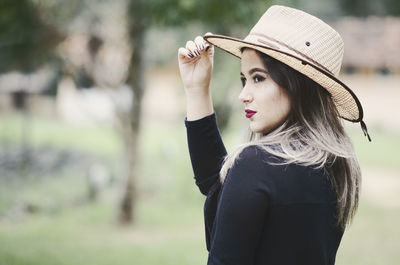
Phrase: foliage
{"type": "Point", "coordinates": [224, 13]}
{"type": "Point", "coordinates": [370, 7]}
{"type": "Point", "coordinates": [26, 40]}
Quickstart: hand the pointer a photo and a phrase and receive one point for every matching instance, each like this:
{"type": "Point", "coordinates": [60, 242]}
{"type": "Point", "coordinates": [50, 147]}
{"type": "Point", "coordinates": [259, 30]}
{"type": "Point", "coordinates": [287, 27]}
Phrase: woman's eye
{"type": "Point", "coordinates": [243, 81]}
{"type": "Point", "coordinates": [258, 78]}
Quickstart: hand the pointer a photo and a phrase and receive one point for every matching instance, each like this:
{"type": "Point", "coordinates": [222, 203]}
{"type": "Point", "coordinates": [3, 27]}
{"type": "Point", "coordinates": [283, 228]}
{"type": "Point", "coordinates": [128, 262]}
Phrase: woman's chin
{"type": "Point", "coordinates": [255, 128]}
{"type": "Point", "coordinates": [260, 128]}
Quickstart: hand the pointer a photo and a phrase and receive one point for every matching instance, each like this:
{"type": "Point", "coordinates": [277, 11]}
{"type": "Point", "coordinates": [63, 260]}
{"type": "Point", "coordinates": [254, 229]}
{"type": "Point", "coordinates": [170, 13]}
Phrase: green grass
{"type": "Point", "coordinates": [164, 234]}
{"type": "Point", "coordinates": [89, 235]}
{"type": "Point", "coordinates": [46, 193]}
{"type": "Point", "coordinates": [382, 151]}
{"type": "Point", "coordinates": [41, 132]}
{"type": "Point", "coordinates": [373, 238]}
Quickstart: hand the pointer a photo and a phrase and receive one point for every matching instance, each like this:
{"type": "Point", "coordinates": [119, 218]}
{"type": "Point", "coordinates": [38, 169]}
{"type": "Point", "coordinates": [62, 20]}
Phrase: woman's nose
{"type": "Point", "coordinates": [244, 96]}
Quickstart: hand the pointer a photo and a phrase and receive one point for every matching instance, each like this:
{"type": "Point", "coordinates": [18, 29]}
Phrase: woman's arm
{"type": "Point", "coordinates": [205, 144]}
{"type": "Point", "coordinates": [195, 66]}
{"type": "Point", "coordinates": [206, 150]}
{"type": "Point", "coordinates": [242, 211]}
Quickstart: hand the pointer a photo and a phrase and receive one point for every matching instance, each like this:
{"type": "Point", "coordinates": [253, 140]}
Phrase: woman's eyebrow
{"type": "Point", "coordinates": [253, 70]}
{"type": "Point", "coordinates": [257, 70]}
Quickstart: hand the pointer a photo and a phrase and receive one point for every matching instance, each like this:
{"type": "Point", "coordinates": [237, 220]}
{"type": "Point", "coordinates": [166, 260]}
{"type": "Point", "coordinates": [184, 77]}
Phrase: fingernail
{"type": "Point", "coordinates": [197, 53]}
{"type": "Point", "coordinates": [190, 55]}
{"type": "Point", "coordinates": [208, 47]}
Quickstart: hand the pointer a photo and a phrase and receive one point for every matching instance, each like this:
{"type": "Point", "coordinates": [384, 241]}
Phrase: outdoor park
{"type": "Point", "coordinates": [94, 164]}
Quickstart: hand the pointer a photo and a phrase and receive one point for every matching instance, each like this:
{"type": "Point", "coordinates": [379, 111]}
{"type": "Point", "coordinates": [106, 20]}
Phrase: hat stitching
{"type": "Point", "coordinates": [269, 44]}
{"type": "Point", "coordinates": [292, 49]}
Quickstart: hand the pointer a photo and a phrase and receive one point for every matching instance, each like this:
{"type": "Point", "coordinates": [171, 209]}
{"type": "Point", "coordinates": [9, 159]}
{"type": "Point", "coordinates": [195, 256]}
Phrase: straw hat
{"type": "Point", "coordinates": [305, 43]}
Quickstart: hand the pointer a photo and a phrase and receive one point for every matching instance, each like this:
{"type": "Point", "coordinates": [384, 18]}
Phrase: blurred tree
{"type": "Point", "coordinates": [26, 43]}
{"type": "Point", "coordinates": [363, 8]}
{"type": "Point", "coordinates": [392, 7]}
{"type": "Point", "coordinates": [26, 40]}
{"type": "Point", "coordinates": [219, 15]}
{"type": "Point", "coordinates": [357, 7]}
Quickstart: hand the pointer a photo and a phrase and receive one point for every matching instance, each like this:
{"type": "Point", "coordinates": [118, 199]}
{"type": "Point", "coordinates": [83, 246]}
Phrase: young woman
{"type": "Point", "coordinates": [285, 196]}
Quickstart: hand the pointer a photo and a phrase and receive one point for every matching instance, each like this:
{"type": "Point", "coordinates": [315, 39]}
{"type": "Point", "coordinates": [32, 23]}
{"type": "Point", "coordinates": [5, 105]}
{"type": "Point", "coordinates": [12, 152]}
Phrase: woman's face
{"type": "Point", "coordinates": [266, 103]}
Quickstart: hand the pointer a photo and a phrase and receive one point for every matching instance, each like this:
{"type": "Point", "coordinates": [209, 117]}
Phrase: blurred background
{"type": "Point", "coordinates": [94, 167]}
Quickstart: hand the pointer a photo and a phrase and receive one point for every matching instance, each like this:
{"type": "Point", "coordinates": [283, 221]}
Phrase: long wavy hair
{"type": "Point", "coordinates": [312, 135]}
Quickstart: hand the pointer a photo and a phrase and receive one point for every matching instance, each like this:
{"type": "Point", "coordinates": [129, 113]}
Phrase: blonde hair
{"type": "Point", "coordinates": [312, 135]}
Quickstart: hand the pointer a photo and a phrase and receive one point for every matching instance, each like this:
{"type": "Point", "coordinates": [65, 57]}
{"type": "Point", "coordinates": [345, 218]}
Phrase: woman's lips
{"type": "Point", "coordinates": [249, 113]}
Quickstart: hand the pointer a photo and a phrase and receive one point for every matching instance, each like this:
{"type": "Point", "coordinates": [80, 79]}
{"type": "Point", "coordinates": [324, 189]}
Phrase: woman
{"type": "Point", "coordinates": [285, 196]}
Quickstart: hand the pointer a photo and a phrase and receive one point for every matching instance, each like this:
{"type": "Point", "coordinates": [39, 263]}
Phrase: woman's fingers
{"type": "Point", "coordinates": [200, 43]}
{"type": "Point", "coordinates": [209, 45]}
{"type": "Point", "coordinates": [196, 63]}
{"type": "Point", "coordinates": [197, 46]}
{"type": "Point", "coordinates": [192, 47]}
{"type": "Point", "coordinates": [184, 53]}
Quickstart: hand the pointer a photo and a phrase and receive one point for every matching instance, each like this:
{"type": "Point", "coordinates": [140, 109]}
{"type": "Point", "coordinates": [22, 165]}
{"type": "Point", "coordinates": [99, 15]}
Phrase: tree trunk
{"type": "Point", "coordinates": [222, 106]}
{"type": "Point", "coordinates": [131, 124]}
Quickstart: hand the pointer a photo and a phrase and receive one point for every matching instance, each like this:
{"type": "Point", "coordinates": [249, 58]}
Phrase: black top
{"type": "Point", "coordinates": [263, 214]}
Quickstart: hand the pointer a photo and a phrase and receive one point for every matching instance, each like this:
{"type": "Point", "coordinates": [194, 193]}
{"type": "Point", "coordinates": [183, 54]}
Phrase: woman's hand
{"type": "Point", "coordinates": [196, 64]}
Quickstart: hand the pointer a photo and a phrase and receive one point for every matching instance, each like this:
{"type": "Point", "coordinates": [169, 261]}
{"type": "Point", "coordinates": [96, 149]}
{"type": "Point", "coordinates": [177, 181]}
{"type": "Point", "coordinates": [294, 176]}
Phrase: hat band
{"type": "Point", "coordinates": [290, 48]}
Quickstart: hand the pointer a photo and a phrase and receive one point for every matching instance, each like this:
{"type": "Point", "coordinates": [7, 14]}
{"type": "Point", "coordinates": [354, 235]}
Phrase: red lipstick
{"type": "Point", "coordinates": [249, 113]}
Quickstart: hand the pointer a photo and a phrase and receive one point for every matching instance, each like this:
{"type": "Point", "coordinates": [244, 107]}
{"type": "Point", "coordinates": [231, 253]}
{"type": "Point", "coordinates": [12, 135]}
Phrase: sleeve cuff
{"type": "Point", "coordinates": [201, 122]}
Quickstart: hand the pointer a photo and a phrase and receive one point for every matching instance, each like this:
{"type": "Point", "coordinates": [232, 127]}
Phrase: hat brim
{"type": "Point", "coordinates": [347, 104]}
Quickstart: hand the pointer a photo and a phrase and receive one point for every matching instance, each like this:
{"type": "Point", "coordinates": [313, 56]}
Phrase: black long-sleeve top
{"type": "Point", "coordinates": [263, 214]}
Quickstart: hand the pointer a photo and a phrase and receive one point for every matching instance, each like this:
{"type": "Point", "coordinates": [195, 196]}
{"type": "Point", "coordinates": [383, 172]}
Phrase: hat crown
{"type": "Point", "coordinates": [308, 36]}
